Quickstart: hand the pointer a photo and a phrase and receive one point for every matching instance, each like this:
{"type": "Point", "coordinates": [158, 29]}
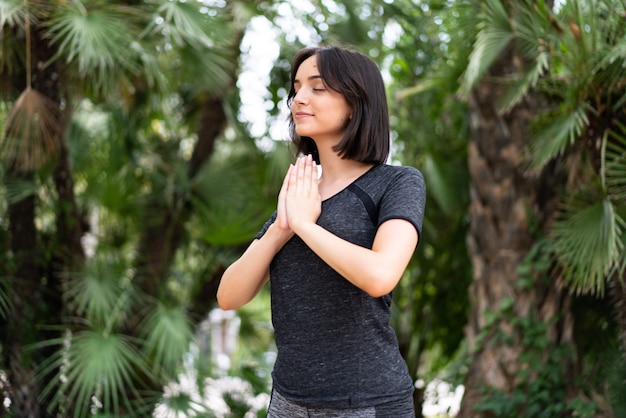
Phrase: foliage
{"type": "Point", "coordinates": [136, 81]}
{"type": "Point", "coordinates": [132, 81]}
{"type": "Point", "coordinates": [539, 388]}
{"type": "Point", "coordinates": [572, 58]}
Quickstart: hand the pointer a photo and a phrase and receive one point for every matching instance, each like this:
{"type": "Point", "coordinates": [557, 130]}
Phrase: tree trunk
{"type": "Point", "coordinates": [36, 300]}
{"type": "Point", "coordinates": [617, 293]}
{"type": "Point", "coordinates": [162, 238]}
{"type": "Point", "coordinates": [24, 315]}
{"type": "Point", "coordinates": [509, 209]}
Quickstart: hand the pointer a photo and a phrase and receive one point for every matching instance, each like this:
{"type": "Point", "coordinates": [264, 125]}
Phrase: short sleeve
{"type": "Point", "coordinates": [266, 226]}
{"type": "Point", "coordinates": [404, 198]}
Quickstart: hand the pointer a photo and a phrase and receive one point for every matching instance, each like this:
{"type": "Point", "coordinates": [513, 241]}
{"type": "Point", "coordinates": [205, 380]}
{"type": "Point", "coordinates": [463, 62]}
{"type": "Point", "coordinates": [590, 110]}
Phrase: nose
{"type": "Point", "coordinates": [301, 96]}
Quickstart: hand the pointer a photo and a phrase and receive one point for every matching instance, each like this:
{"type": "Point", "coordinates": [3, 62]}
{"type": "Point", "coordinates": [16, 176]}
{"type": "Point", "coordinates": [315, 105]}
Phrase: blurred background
{"type": "Point", "coordinates": [143, 145]}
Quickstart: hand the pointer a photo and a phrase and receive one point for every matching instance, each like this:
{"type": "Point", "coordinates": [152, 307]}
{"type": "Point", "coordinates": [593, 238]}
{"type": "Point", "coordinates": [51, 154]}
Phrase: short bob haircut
{"type": "Point", "coordinates": [356, 77]}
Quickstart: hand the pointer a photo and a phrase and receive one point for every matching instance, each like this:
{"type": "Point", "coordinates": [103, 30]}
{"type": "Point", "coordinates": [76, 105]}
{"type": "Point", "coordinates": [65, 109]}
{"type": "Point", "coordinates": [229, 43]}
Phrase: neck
{"type": "Point", "coordinates": [338, 173]}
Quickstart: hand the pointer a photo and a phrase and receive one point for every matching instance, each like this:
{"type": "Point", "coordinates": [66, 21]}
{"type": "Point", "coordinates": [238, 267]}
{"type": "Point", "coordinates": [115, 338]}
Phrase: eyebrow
{"type": "Point", "coordinates": [313, 77]}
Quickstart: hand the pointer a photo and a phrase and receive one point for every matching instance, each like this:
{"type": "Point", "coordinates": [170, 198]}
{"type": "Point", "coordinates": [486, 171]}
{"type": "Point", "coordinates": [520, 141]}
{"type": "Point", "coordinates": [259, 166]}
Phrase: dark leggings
{"type": "Point", "coordinates": [282, 408]}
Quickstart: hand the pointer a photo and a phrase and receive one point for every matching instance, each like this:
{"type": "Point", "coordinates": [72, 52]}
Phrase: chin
{"type": "Point", "coordinates": [303, 132]}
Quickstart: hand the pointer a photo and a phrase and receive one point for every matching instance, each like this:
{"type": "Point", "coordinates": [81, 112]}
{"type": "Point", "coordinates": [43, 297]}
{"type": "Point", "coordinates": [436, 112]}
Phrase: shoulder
{"type": "Point", "coordinates": [394, 173]}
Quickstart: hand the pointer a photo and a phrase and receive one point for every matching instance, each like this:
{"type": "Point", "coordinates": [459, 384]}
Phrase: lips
{"type": "Point", "coordinates": [302, 114]}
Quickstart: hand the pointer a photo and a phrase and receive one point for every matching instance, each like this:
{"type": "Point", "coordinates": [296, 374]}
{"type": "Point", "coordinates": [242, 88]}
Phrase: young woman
{"type": "Point", "coordinates": [335, 248]}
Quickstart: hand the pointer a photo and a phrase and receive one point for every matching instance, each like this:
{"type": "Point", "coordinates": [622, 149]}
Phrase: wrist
{"type": "Point", "coordinates": [302, 227]}
{"type": "Point", "coordinates": [278, 234]}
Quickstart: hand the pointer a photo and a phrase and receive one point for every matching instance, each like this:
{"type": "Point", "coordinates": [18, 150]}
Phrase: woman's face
{"type": "Point", "coordinates": [318, 112]}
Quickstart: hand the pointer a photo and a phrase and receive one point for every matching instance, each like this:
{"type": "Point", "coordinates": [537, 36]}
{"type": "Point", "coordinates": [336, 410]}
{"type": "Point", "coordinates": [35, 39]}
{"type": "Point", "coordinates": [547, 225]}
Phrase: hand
{"type": "Point", "coordinates": [281, 210]}
{"type": "Point", "coordinates": [303, 201]}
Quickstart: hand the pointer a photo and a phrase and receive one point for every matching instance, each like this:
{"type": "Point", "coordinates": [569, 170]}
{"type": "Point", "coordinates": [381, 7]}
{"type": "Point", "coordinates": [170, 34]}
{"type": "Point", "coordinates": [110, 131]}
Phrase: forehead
{"type": "Point", "coordinates": [308, 68]}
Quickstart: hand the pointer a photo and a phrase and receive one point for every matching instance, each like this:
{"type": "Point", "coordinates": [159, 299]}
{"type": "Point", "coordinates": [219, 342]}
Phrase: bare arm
{"type": "Point", "coordinates": [245, 278]}
{"type": "Point", "coordinates": [376, 271]}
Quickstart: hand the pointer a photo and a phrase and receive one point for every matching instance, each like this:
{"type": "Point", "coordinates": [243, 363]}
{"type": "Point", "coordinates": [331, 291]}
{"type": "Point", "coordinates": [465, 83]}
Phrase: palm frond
{"type": "Point", "coordinates": [439, 78]}
{"type": "Point", "coordinates": [12, 13]}
{"type": "Point", "coordinates": [97, 372]}
{"type": "Point", "coordinates": [530, 25]}
{"type": "Point", "coordinates": [610, 72]}
{"type": "Point", "coordinates": [32, 132]}
{"type": "Point", "coordinates": [555, 132]}
{"type": "Point", "coordinates": [616, 165]}
{"type": "Point", "coordinates": [198, 44]}
{"type": "Point", "coordinates": [98, 291]}
{"type": "Point", "coordinates": [97, 40]}
{"type": "Point", "coordinates": [103, 367]}
{"type": "Point", "coordinates": [241, 208]}
{"type": "Point", "coordinates": [586, 239]}
{"type": "Point", "coordinates": [494, 35]}
{"type": "Point", "coordinates": [529, 79]}
{"type": "Point", "coordinates": [212, 69]}
{"type": "Point", "coordinates": [187, 23]}
{"type": "Point", "coordinates": [18, 188]}
{"type": "Point", "coordinates": [167, 333]}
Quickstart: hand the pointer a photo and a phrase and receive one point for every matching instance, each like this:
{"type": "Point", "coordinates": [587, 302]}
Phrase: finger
{"type": "Point", "coordinates": [282, 198]}
{"type": "Point", "coordinates": [308, 172]}
{"type": "Point", "coordinates": [314, 176]}
{"type": "Point", "coordinates": [284, 186]}
{"type": "Point", "coordinates": [300, 173]}
{"type": "Point", "coordinates": [292, 177]}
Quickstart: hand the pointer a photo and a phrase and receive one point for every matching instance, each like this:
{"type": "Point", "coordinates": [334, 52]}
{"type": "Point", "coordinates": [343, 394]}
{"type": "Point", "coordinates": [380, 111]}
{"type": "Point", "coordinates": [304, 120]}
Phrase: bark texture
{"type": "Point", "coordinates": [31, 279]}
{"type": "Point", "coordinates": [508, 207]}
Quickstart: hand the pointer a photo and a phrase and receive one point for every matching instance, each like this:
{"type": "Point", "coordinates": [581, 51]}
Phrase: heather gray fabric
{"type": "Point", "coordinates": [280, 407]}
{"type": "Point", "coordinates": [336, 348]}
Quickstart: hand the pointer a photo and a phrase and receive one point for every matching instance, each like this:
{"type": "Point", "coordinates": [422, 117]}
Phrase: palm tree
{"type": "Point", "coordinates": [546, 158]}
{"type": "Point", "coordinates": [129, 88]}
{"type": "Point", "coordinates": [430, 131]}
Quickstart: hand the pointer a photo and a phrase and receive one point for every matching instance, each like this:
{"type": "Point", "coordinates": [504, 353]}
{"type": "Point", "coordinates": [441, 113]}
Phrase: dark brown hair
{"type": "Point", "coordinates": [356, 77]}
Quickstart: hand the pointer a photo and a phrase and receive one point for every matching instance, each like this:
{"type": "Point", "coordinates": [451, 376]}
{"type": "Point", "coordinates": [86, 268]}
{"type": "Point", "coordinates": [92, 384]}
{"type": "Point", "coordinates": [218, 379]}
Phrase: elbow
{"type": "Point", "coordinates": [380, 284]}
{"type": "Point", "coordinates": [226, 307]}
{"type": "Point", "coordinates": [225, 303]}
{"type": "Point", "coordinates": [378, 291]}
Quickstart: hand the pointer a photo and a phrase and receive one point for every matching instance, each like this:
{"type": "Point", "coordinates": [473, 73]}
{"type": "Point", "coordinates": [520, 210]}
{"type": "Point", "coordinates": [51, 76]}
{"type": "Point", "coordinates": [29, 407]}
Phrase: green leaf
{"type": "Point", "coordinates": [555, 132]}
{"type": "Point", "coordinates": [168, 333]}
{"type": "Point", "coordinates": [185, 23]}
{"type": "Point", "coordinates": [99, 290]}
{"type": "Point", "coordinates": [494, 35]}
{"type": "Point", "coordinates": [528, 80]}
{"type": "Point", "coordinates": [232, 200]}
{"type": "Point", "coordinates": [587, 244]}
{"type": "Point", "coordinates": [96, 365]}
{"type": "Point", "coordinates": [616, 165]}
{"type": "Point", "coordinates": [12, 13]}
{"type": "Point", "coordinates": [98, 40]}
{"type": "Point", "coordinates": [441, 183]}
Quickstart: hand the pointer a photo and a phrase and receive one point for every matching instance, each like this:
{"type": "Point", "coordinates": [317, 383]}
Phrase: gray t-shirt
{"type": "Point", "coordinates": [336, 348]}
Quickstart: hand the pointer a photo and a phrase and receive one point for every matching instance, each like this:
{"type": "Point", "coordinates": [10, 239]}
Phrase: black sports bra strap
{"type": "Point", "coordinates": [370, 206]}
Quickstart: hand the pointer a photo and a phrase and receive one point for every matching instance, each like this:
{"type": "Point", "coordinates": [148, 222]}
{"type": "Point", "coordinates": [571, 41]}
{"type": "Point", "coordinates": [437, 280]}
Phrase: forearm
{"type": "Point", "coordinates": [243, 279]}
{"type": "Point", "coordinates": [376, 271]}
